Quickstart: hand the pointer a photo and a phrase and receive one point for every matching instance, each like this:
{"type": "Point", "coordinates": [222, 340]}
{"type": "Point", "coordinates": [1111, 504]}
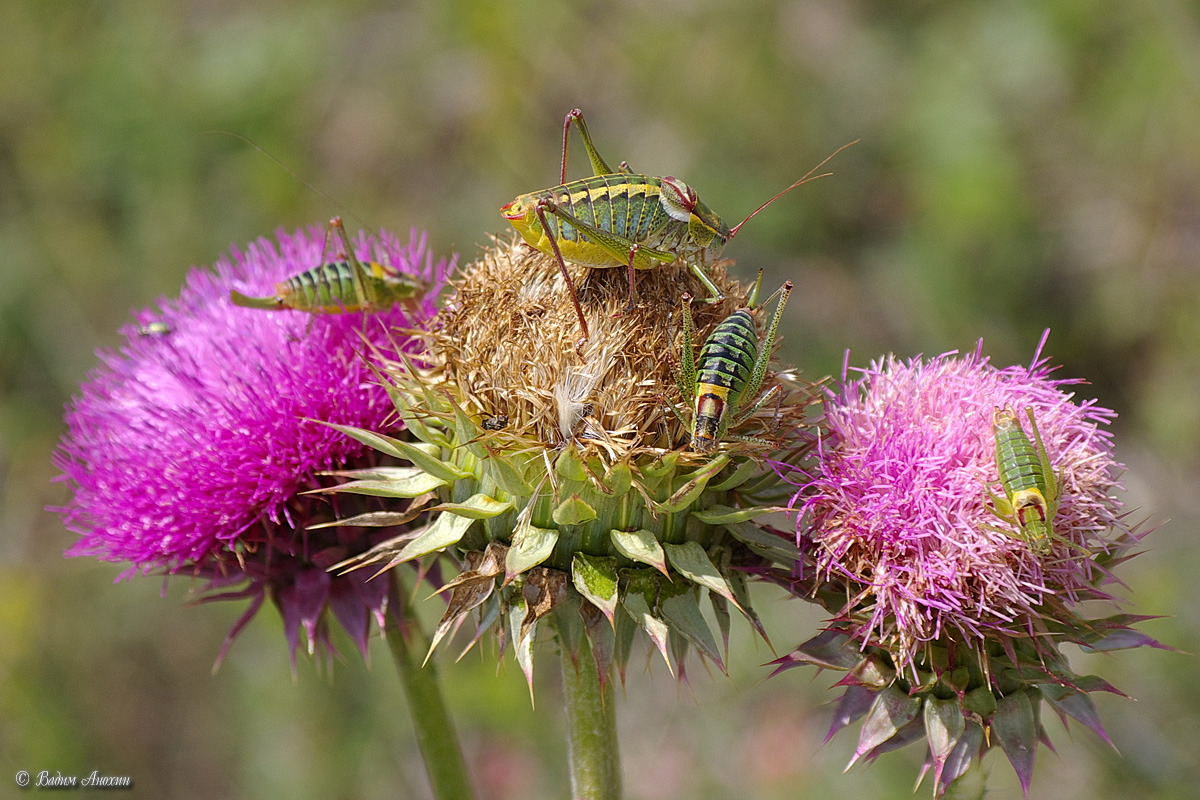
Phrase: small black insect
{"type": "Point", "coordinates": [496, 423]}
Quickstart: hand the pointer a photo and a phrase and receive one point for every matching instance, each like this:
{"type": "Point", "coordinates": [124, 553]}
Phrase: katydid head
{"type": "Point", "coordinates": [707, 233]}
{"type": "Point", "coordinates": [1004, 416]}
{"type": "Point", "coordinates": [516, 210]}
{"type": "Point", "coordinates": [521, 213]}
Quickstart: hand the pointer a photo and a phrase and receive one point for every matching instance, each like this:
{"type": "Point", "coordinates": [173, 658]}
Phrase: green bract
{"type": "Point", "coordinates": [587, 506]}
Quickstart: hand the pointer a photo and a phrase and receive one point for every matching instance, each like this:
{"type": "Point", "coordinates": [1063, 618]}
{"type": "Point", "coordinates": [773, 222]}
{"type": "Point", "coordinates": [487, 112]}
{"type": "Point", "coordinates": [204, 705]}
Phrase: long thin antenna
{"type": "Point", "coordinates": [808, 177]}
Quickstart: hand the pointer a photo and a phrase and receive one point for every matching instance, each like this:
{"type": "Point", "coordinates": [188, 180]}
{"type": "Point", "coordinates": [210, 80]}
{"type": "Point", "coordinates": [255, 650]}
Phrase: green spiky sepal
{"type": "Point", "coordinates": [964, 698]}
{"type": "Point", "coordinates": [605, 547]}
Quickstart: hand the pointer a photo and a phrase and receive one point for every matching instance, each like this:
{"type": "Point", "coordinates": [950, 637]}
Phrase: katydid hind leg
{"type": "Point", "coordinates": [540, 209]}
{"type": "Point", "coordinates": [633, 251]}
{"type": "Point", "coordinates": [599, 167]}
{"type": "Point", "coordinates": [363, 292]}
{"type": "Point", "coordinates": [685, 378]}
{"type": "Point", "coordinates": [1044, 459]}
{"type": "Point", "coordinates": [615, 245]}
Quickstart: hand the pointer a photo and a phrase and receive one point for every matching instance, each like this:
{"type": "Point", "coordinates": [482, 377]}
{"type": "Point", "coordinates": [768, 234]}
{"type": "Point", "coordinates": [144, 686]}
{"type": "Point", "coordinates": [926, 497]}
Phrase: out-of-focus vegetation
{"type": "Point", "coordinates": [1024, 164]}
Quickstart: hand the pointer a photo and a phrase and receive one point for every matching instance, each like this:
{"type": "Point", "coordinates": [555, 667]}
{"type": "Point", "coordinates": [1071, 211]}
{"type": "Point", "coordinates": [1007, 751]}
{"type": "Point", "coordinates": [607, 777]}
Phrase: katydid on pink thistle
{"type": "Point", "coordinates": [1030, 487]}
{"type": "Point", "coordinates": [342, 286]}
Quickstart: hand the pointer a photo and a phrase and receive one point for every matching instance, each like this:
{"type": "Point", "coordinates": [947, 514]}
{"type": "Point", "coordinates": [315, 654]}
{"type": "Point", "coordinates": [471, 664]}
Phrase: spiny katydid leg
{"type": "Point", "coordinates": [633, 251]}
{"type": "Point", "coordinates": [599, 167]}
{"type": "Point", "coordinates": [621, 249]}
{"type": "Point", "coordinates": [540, 210]}
{"type": "Point", "coordinates": [357, 270]}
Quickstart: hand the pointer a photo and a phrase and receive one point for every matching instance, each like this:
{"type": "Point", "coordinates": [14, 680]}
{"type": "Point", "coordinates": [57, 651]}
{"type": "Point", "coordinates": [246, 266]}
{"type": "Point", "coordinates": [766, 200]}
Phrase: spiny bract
{"type": "Point", "coordinates": [587, 502]}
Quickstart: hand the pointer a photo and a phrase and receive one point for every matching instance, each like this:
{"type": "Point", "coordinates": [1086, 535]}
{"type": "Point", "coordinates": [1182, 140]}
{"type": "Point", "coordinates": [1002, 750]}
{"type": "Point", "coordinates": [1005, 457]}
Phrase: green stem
{"type": "Point", "coordinates": [591, 728]}
{"type": "Point", "coordinates": [436, 735]}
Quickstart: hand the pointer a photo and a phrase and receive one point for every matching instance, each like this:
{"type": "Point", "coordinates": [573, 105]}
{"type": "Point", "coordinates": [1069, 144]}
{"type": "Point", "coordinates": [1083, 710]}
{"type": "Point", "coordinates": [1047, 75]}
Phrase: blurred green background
{"type": "Point", "coordinates": [1024, 164]}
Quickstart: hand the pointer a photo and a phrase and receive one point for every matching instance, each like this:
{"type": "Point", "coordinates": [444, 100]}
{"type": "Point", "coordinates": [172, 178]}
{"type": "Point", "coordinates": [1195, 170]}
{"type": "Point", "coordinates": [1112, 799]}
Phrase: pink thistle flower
{"type": "Point", "coordinates": [188, 450]}
{"type": "Point", "coordinates": [936, 598]}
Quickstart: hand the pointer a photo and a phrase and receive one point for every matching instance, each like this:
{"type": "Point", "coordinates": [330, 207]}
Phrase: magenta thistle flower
{"type": "Point", "coordinates": [188, 449]}
{"type": "Point", "coordinates": [947, 619]}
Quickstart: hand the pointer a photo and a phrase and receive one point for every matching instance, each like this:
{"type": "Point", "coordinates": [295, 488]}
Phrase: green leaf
{"type": "Point", "coordinates": [829, 649]}
{"type": "Point", "coordinates": [467, 432]}
{"type": "Point", "coordinates": [573, 511]}
{"type": "Point", "coordinates": [569, 465]}
{"type": "Point", "coordinates": [623, 639]}
{"type": "Point", "coordinates": [690, 560]}
{"type": "Point", "coordinates": [981, 701]}
{"type": "Point", "coordinates": [774, 547]}
{"type": "Point", "coordinates": [741, 596]}
{"type": "Point", "coordinates": [724, 515]}
{"type": "Point", "coordinates": [419, 455]}
{"type": "Point", "coordinates": [522, 645]}
{"type": "Point", "coordinates": [641, 546]}
{"type": "Point", "coordinates": [530, 546]}
{"type": "Point", "coordinates": [686, 494]}
{"type": "Point", "coordinates": [370, 519]}
{"type": "Point", "coordinates": [604, 640]}
{"type": "Point", "coordinates": [965, 749]}
{"type": "Point", "coordinates": [619, 479]}
{"type": "Point", "coordinates": [568, 622]}
{"type": "Point", "coordinates": [872, 671]}
{"type": "Point", "coordinates": [446, 530]}
{"type": "Point", "coordinates": [721, 612]}
{"type": "Point", "coordinates": [682, 610]}
{"type": "Point", "coordinates": [1079, 706]}
{"type": "Point", "coordinates": [375, 473]}
{"type": "Point", "coordinates": [740, 475]}
{"type": "Point", "coordinates": [663, 467]}
{"type": "Point", "coordinates": [1015, 726]}
{"type": "Point", "coordinates": [944, 724]}
{"type": "Point", "coordinates": [414, 417]}
{"type": "Point", "coordinates": [635, 603]}
{"type": "Point", "coordinates": [506, 472]}
{"type": "Point", "coordinates": [419, 483]}
{"type": "Point", "coordinates": [891, 711]}
{"type": "Point", "coordinates": [477, 506]}
{"type": "Point", "coordinates": [595, 577]}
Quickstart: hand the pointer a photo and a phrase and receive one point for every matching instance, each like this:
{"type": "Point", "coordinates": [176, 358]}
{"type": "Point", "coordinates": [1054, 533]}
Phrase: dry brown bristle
{"type": "Point", "coordinates": [508, 338]}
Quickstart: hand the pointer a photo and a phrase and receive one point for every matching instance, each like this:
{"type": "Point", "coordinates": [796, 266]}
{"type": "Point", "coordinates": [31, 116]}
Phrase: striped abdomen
{"type": "Point", "coordinates": [1021, 473]}
{"type": "Point", "coordinates": [626, 205]}
{"type": "Point", "coordinates": [330, 289]}
{"type": "Point", "coordinates": [726, 363]}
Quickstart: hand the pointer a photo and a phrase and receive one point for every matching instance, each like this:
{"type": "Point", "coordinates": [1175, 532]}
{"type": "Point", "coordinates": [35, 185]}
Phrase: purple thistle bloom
{"type": "Point", "coordinates": [946, 620]}
{"type": "Point", "coordinates": [900, 504]}
{"type": "Point", "coordinates": [188, 448]}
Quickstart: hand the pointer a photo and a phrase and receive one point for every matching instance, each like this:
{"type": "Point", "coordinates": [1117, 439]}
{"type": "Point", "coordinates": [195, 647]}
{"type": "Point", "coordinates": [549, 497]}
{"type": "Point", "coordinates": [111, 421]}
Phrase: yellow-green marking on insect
{"type": "Point", "coordinates": [1031, 492]}
{"type": "Point", "coordinates": [342, 286]}
{"type": "Point", "coordinates": [729, 373]}
{"type": "Point", "coordinates": [620, 218]}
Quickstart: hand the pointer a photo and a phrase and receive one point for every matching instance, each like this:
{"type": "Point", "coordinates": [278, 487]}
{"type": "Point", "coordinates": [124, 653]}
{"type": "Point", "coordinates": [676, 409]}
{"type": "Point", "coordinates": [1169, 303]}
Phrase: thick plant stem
{"type": "Point", "coordinates": [591, 729]}
{"type": "Point", "coordinates": [436, 735]}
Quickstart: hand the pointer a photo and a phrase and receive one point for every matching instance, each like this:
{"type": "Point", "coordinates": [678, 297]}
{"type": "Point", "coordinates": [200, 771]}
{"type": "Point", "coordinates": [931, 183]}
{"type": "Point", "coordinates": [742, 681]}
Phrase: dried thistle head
{"type": "Point", "coordinates": [509, 340]}
{"type": "Point", "coordinates": [563, 473]}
